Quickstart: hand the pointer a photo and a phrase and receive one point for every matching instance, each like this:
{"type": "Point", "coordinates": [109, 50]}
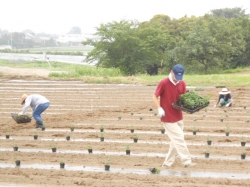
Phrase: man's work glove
{"type": "Point", "coordinates": [20, 113]}
{"type": "Point", "coordinates": [227, 105]}
{"type": "Point", "coordinates": [161, 112]}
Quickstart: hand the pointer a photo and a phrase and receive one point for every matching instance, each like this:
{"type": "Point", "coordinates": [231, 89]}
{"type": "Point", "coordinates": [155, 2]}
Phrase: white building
{"type": "Point", "coordinates": [2, 47]}
{"type": "Point", "coordinates": [66, 38]}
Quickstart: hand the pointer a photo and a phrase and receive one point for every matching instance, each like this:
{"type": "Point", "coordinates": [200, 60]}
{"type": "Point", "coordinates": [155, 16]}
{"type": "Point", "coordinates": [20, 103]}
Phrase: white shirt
{"type": "Point", "coordinates": [170, 78]}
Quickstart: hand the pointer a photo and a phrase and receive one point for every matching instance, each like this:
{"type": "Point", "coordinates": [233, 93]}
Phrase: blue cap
{"type": "Point", "coordinates": [178, 70]}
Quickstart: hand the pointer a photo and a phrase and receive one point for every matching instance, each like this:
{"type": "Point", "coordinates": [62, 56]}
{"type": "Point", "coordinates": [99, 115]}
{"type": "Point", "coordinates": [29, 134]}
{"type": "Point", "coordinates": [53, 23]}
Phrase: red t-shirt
{"type": "Point", "coordinates": [170, 93]}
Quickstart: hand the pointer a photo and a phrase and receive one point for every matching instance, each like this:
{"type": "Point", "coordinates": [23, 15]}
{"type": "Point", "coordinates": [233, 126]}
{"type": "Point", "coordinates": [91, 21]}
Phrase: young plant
{"type": "Point", "coordinates": [102, 128]}
{"type": "Point", "coordinates": [162, 129]}
{"type": "Point", "coordinates": [62, 162]}
{"type": "Point", "coordinates": [72, 127]}
{"type": "Point", "coordinates": [102, 134]}
{"type": "Point", "coordinates": [17, 161]}
{"type": "Point", "coordinates": [136, 136]}
{"type": "Point", "coordinates": [132, 127]}
{"type": "Point", "coordinates": [107, 161]}
{"type": "Point", "coordinates": [154, 170]}
{"type": "Point", "coordinates": [207, 150]}
{"type": "Point", "coordinates": [52, 145]}
{"type": "Point", "coordinates": [228, 129]}
{"type": "Point", "coordinates": [127, 147]}
{"type": "Point", "coordinates": [208, 138]}
{"type": "Point", "coordinates": [89, 147]}
{"type": "Point", "coordinates": [209, 141]}
{"type": "Point", "coordinates": [132, 112]}
{"type": "Point", "coordinates": [15, 147]}
{"type": "Point", "coordinates": [243, 152]}
{"type": "Point", "coordinates": [194, 130]}
{"type": "Point", "coordinates": [8, 132]}
{"type": "Point", "coordinates": [243, 139]}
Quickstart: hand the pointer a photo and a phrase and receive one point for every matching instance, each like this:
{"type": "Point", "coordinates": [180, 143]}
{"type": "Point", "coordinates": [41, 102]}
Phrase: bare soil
{"type": "Point", "coordinates": [88, 107]}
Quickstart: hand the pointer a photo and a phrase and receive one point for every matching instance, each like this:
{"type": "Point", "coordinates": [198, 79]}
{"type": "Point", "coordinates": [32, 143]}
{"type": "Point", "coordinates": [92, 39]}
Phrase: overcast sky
{"type": "Point", "coordinates": [59, 16]}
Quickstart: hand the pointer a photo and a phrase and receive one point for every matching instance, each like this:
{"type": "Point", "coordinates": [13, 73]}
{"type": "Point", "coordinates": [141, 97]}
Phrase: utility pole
{"type": "Point", "coordinates": [11, 40]}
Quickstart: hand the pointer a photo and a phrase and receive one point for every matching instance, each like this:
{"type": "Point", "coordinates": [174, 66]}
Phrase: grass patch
{"type": "Point", "coordinates": [92, 74]}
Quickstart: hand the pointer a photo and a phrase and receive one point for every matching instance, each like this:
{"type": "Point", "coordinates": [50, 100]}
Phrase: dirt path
{"type": "Point", "coordinates": [24, 71]}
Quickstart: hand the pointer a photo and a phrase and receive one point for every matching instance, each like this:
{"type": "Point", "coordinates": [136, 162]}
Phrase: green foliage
{"type": "Point", "coordinates": [207, 150]}
{"type": "Point", "coordinates": [108, 161]}
{"type": "Point", "coordinates": [129, 46]}
{"type": "Point", "coordinates": [243, 139]}
{"type": "Point", "coordinates": [229, 12]}
{"type": "Point", "coordinates": [102, 134]}
{"type": "Point", "coordinates": [193, 100]}
{"type": "Point", "coordinates": [208, 138]}
{"type": "Point", "coordinates": [127, 147]}
{"type": "Point", "coordinates": [244, 152]}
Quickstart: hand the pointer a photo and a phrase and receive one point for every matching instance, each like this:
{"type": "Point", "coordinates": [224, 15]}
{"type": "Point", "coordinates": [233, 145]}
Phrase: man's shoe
{"type": "Point", "coordinates": [39, 125]}
{"type": "Point", "coordinates": [190, 165]}
{"type": "Point", "coordinates": [166, 166]}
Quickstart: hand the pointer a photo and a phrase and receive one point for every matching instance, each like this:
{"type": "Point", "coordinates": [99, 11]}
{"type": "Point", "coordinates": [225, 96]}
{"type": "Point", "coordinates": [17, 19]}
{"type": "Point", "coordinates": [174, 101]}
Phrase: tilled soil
{"type": "Point", "coordinates": [88, 107]}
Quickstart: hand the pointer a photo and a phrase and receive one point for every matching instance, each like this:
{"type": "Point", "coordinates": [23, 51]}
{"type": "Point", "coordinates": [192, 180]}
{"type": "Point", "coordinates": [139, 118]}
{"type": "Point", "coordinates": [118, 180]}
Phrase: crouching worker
{"type": "Point", "coordinates": [38, 103]}
{"type": "Point", "coordinates": [225, 98]}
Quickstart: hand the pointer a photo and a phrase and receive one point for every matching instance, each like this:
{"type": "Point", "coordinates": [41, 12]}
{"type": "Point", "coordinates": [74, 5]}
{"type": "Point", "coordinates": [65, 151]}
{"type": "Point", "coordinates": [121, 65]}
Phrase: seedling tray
{"type": "Point", "coordinates": [179, 106]}
{"type": "Point", "coordinates": [21, 118]}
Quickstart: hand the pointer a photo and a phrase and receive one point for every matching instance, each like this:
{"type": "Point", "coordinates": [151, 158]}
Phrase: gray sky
{"type": "Point", "coordinates": [59, 16]}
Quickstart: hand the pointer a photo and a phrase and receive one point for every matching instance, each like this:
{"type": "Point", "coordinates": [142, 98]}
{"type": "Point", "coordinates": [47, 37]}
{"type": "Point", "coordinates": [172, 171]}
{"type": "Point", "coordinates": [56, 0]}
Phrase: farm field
{"type": "Point", "coordinates": [87, 107]}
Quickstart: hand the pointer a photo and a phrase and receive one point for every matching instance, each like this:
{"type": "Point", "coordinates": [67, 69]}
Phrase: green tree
{"type": "Point", "coordinates": [127, 45]}
{"type": "Point", "coordinates": [210, 44]}
{"type": "Point", "coordinates": [229, 12]}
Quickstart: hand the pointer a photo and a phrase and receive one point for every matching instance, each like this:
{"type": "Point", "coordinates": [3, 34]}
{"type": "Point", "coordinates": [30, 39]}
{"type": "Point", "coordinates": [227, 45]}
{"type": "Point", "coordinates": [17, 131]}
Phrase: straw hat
{"type": "Point", "coordinates": [224, 91]}
{"type": "Point", "coordinates": [24, 96]}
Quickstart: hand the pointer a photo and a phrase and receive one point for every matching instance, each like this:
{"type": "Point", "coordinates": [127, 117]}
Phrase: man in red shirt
{"type": "Point", "coordinates": [168, 91]}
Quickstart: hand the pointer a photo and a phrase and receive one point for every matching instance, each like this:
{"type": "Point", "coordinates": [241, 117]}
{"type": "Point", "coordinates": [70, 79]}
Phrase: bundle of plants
{"type": "Point", "coordinates": [21, 118]}
{"type": "Point", "coordinates": [191, 102]}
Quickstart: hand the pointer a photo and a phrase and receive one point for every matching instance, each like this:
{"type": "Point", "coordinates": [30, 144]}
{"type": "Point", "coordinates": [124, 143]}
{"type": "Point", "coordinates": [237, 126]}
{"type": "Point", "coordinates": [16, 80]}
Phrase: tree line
{"type": "Point", "coordinates": [216, 41]}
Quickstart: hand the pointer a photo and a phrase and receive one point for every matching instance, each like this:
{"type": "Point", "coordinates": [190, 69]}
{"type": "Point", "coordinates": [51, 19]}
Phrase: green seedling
{"type": "Point", "coordinates": [108, 161]}
{"type": "Point", "coordinates": [127, 147]}
{"type": "Point", "coordinates": [207, 150]}
{"type": "Point", "coordinates": [52, 145]}
{"type": "Point", "coordinates": [208, 138]}
{"type": "Point", "coordinates": [154, 170]}
{"type": "Point", "coordinates": [102, 134]}
{"type": "Point", "coordinates": [8, 132]}
{"type": "Point", "coordinates": [228, 129]}
{"type": "Point", "coordinates": [243, 139]}
{"type": "Point", "coordinates": [244, 152]}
